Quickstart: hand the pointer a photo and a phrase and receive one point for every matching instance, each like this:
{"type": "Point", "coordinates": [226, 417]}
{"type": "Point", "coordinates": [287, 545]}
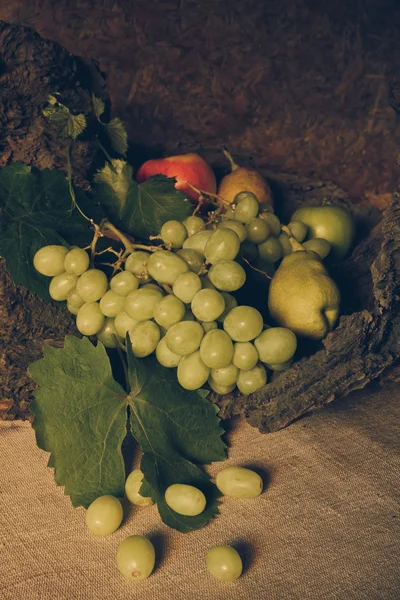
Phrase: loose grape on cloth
{"type": "Point", "coordinates": [326, 526]}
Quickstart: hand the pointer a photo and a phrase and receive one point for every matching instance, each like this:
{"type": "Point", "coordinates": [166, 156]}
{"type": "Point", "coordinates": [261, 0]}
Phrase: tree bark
{"type": "Point", "coordinates": [31, 68]}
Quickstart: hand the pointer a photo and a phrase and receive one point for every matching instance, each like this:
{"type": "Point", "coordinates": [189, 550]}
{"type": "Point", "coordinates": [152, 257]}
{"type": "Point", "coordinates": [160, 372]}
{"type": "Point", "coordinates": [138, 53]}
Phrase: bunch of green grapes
{"type": "Point", "coordinates": [177, 302]}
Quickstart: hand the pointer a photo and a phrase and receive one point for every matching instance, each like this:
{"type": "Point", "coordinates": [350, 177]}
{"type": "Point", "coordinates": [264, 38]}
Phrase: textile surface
{"type": "Point", "coordinates": [325, 528]}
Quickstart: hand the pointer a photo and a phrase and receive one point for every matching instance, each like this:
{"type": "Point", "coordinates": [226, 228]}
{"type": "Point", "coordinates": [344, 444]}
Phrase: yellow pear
{"type": "Point", "coordinates": [244, 179]}
{"type": "Point", "coordinates": [302, 295]}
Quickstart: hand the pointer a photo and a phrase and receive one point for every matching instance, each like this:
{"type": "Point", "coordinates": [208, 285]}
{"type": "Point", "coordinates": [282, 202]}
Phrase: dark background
{"type": "Point", "coordinates": [300, 86]}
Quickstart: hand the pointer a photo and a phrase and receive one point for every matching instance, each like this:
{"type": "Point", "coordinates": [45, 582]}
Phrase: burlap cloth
{"type": "Point", "coordinates": [326, 526]}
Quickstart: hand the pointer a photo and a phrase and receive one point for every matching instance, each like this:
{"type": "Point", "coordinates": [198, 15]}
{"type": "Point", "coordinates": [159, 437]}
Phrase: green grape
{"type": "Point", "coordinates": [141, 303]}
{"type": "Point", "coordinates": [165, 266]}
{"type": "Point", "coordinates": [239, 482]}
{"type": "Point", "coordinates": [194, 259]}
{"type": "Point", "coordinates": [243, 323]}
{"type": "Point", "coordinates": [92, 285]}
{"type": "Point", "coordinates": [224, 244]}
{"type": "Point", "coordinates": [106, 333]}
{"type": "Point", "coordinates": [132, 487]}
{"type": "Point", "coordinates": [220, 389]}
{"type": "Point", "coordinates": [198, 241]}
{"type": "Point", "coordinates": [271, 250]}
{"type": "Point", "coordinates": [206, 283]}
{"type": "Point", "coordinates": [192, 372]}
{"type": "Point", "coordinates": [165, 357]}
{"type": "Point", "coordinates": [318, 245]}
{"type": "Point", "coordinates": [285, 244]}
{"type": "Point", "coordinates": [245, 355]}
{"type": "Point", "coordinates": [89, 319]}
{"type": "Point", "coordinates": [72, 309]}
{"type": "Point", "coordinates": [209, 325]}
{"type": "Point", "coordinates": [298, 229]}
{"type": "Point", "coordinates": [144, 338]}
{"type": "Point", "coordinates": [273, 223]}
{"type": "Point", "coordinates": [249, 251]}
{"type": "Point", "coordinates": [207, 305]}
{"type": "Point", "coordinates": [279, 366]}
{"type": "Point", "coordinates": [49, 260]}
{"type": "Point", "coordinates": [124, 323]}
{"type": "Point", "coordinates": [185, 499]}
{"type": "Point", "coordinates": [184, 337]}
{"type": "Point", "coordinates": [76, 261]}
{"type": "Point", "coordinates": [104, 515]}
{"type": "Point", "coordinates": [257, 231]}
{"type": "Point", "coordinates": [276, 345]}
{"type": "Point", "coordinates": [225, 375]}
{"type": "Point", "coordinates": [235, 226]}
{"type": "Point", "coordinates": [230, 302]}
{"type": "Point", "coordinates": [152, 286]}
{"type": "Point", "coordinates": [173, 233]}
{"type": "Point", "coordinates": [74, 299]}
{"type": "Point", "coordinates": [124, 283]}
{"type": "Point", "coordinates": [247, 207]}
{"type": "Point", "coordinates": [61, 285]}
{"type": "Point", "coordinates": [111, 304]}
{"type": "Point", "coordinates": [227, 275]}
{"type": "Point", "coordinates": [168, 311]}
{"type": "Point", "coordinates": [186, 286]}
{"type": "Point", "coordinates": [193, 225]}
{"type": "Point", "coordinates": [136, 263]}
{"type": "Point", "coordinates": [224, 563]}
{"type": "Point", "coordinates": [216, 349]}
{"type": "Point", "coordinates": [135, 558]}
{"type": "Point", "coordinates": [251, 380]}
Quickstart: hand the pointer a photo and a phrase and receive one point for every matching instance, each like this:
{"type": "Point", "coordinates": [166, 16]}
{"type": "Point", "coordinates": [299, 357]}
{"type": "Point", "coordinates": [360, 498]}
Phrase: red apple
{"type": "Point", "coordinates": [185, 167]}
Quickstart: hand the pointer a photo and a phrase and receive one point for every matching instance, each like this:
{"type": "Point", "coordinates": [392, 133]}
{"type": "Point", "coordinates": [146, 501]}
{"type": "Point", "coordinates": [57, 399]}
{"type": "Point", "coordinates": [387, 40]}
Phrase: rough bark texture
{"type": "Point", "coordinates": [30, 69]}
{"type": "Point", "coordinates": [363, 345]}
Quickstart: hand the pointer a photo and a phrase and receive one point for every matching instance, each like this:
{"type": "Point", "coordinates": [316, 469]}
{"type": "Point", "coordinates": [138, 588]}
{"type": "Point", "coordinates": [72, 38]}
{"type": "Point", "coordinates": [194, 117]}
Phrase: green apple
{"type": "Point", "coordinates": [332, 223]}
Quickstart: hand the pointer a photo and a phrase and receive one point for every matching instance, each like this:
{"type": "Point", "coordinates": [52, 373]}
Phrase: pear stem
{"type": "Point", "coordinates": [296, 246]}
{"type": "Point", "coordinates": [228, 155]}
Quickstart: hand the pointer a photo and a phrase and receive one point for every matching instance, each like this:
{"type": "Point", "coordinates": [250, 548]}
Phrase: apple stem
{"type": "Point", "coordinates": [296, 246]}
{"type": "Point", "coordinates": [228, 155]}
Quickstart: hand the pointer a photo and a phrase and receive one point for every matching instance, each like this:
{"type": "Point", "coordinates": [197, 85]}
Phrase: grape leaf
{"type": "Point", "coordinates": [187, 432]}
{"type": "Point", "coordinates": [81, 414]}
{"type": "Point", "coordinates": [117, 135]}
{"type": "Point", "coordinates": [114, 130]}
{"type": "Point", "coordinates": [140, 210]}
{"type": "Point", "coordinates": [35, 210]}
{"type": "Point", "coordinates": [67, 124]}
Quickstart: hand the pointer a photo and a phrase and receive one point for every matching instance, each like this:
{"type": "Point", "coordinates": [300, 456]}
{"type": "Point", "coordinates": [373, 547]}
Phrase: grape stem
{"type": "Point", "coordinates": [130, 247]}
{"type": "Point", "coordinates": [255, 268]}
{"type": "Point", "coordinates": [203, 195]}
{"type": "Point", "coordinates": [167, 288]}
{"type": "Point", "coordinates": [71, 187]}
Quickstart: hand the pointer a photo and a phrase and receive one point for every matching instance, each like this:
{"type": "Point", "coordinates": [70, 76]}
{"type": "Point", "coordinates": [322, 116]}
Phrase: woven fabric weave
{"type": "Point", "coordinates": [325, 528]}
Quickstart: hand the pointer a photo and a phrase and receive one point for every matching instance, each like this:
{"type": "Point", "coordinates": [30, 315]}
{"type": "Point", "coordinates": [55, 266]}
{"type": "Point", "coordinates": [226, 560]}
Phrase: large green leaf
{"type": "Point", "coordinates": [35, 210]}
{"type": "Point", "coordinates": [185, 432]}
{"type": "Point", "coordinates": [81, 416]}
{"type": "Point", "coordinates": [140, 210]}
